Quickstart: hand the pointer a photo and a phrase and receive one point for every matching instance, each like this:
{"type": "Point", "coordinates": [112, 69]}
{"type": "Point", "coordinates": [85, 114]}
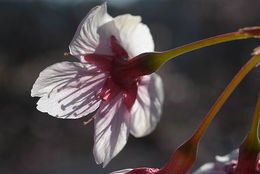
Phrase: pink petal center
{"type": "Point", "coordinates": [119, 79]}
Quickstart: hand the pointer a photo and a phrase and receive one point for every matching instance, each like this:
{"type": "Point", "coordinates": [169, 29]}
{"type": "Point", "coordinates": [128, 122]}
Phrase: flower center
{"type": "Point", "coordinates": [120, 79]}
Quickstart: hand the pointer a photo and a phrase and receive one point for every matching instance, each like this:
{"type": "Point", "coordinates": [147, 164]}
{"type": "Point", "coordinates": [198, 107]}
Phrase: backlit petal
{"type": "Point", "coordinates": [209, 168]}
{"type": "Point", "coordinates": [147, 109]}
{"type": "Point", "coordinates": [133, 35]}
{"type": "Point", "coordinates": [68, 90]}
{"type": "Point", "coordinates": [143, 170]}
{"type": "Point", "coordinates": [121, 171]}
{"type": "Point", "coordinates": [220, 166]}
{"type": "Point", "coordinates": [111, 130]}
{"type": "Point", "coordinates": [86, 39]}
{"type": "Point", "coordinates": [231, 156]}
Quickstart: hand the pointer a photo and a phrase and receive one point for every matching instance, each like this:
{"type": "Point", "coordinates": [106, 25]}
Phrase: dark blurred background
{"type": "Point", "coordinates": [35, 33]}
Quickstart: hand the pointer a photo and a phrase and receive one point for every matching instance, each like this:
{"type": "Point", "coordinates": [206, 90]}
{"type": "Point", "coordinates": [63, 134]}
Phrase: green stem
{"type": "Point", "coordinates": [241, 34]}
{"type": "Point", "coordinates": [148, 63]}
{"type": "Point", "coordinates": [253, 133]}
{"type": "Point", "coordinates": [223, 97]}
{"type": "Point", "coordinates": [185, 156]}
{"type": "Point", "coordinates": [167, 55]}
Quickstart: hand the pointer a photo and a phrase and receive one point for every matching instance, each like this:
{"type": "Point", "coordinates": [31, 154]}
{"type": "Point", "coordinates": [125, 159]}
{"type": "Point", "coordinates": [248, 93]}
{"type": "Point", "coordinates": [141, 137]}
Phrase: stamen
{"type": "Point", "coordinates": [87, 122]}
{"type": "Point", "coordinates": [66, 54]}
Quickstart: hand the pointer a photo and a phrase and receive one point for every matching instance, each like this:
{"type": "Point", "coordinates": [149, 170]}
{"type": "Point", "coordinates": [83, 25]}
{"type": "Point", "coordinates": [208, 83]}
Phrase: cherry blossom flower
{"type": "Point", "coordinates": [224, 165]}
{"type": "Point", "coordinates": [124, 103]}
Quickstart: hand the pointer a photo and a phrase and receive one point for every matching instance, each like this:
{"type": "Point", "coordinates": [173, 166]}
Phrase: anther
{"type": "Point", "coordinates": [87, 122]}
{"type": "Point", "coordinates": [66, 54]}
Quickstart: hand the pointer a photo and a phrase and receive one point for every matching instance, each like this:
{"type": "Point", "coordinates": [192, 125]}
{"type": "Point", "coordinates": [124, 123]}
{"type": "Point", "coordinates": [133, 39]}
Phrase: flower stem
{"type": "Point", "coordinates": [185, 156]}
{"type": "Point", "coordinates": [148, 63]}
{"type": "Point", "coordinates": [223, 97]}
{"type": "Point", "coordinates": [244, 33]}
{"type": "Point", "coordinates": [253, 133]}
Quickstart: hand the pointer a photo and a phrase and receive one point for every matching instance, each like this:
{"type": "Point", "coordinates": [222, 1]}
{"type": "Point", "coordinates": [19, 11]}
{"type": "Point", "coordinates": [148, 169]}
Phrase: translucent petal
{"type": "Point", "coordinates": [132, 35]}
{"type": "Point", "coordinates": [68, 90]}
{"type": "Point", "coordinates": [209, 168]}
{"type": "Point", "coordinates": [86, 39]}
{"type": "Point", "coordinates": [231, 156]}
{"type": "Point", "coordinates": [220, 166]}
{"type": "Point", "coordinates": [142, 170]}
{"type": "Point", "coordinates": [147, 109]}
{"type": "Point", "coordinates": [94, 34]}
{"type": "Point", "coordinates": [121, 171]}
{"type": "Point", "coordinates": [111, 130]}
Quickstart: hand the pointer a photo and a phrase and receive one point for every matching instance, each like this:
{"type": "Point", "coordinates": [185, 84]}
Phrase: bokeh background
{"type": "Point", "coordinates": [35, 33]}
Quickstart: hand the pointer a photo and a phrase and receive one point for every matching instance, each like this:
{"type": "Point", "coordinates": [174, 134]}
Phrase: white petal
{"type": "Point", "coordinates": [68, 90]}
{"type": "Point", "coordinates": [218, 166]}
{"type": "Point", "coordinates": [147, 109]}
{"type": "Point", "coordinates": [133, 35]}
{"type": "Point", "coordinates": [94, 34]}
{"type": "Point", "coordinates": [209, 168]}
{"type": "Point", "coordinates": [121, 171]}
{"type": "Point", "coordinates": [111, 130]}
{"type": "Point", "coordinates": [231, 156]}
{"type": "Point", "coordinates": [86, 39]}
